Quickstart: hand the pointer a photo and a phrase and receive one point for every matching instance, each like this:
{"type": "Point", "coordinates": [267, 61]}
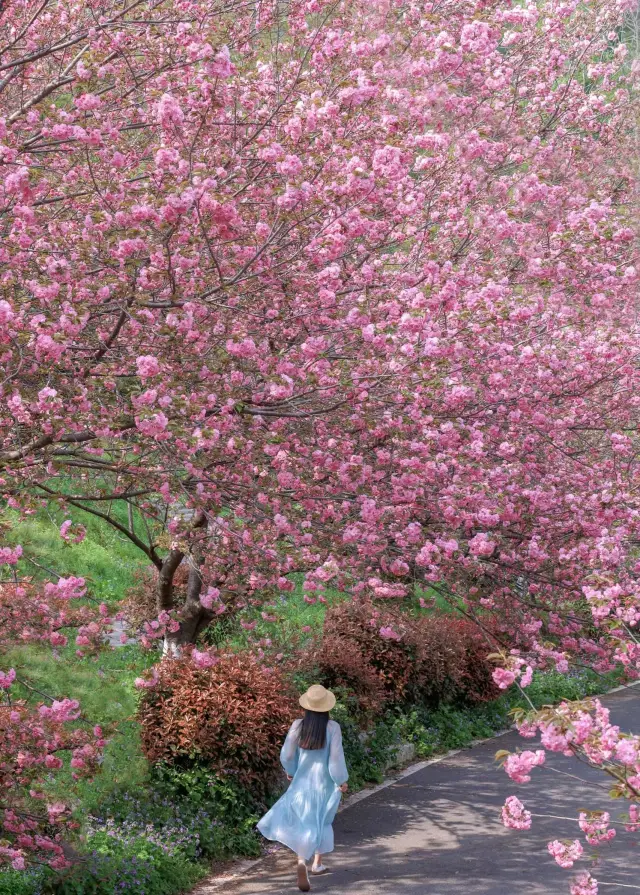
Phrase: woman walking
{"type": "Point", "coordinates": [313, 760]}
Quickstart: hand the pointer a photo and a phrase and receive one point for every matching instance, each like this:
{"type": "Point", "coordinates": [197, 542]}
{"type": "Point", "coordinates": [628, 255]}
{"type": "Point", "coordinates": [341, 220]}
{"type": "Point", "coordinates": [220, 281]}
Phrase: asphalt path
{"type": "Point", "coordinates": [438, 831]}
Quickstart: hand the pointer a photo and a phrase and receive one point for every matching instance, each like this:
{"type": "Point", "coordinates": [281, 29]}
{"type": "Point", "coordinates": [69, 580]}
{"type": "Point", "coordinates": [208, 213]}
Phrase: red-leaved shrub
{"type": "Point", "coordinates": [352, 637]}
{"type": "Point", "coordinates": [232, 717]}
{"type": "Point", "coordinates": [385, 656]}
{"type": "Point", "coordinates": [342, 665]}
{"type": "Point", "coordinates": [477, 683]}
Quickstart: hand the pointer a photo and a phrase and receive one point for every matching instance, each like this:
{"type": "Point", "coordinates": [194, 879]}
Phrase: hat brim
{"type": "Point", "coordinates": [325, 706]}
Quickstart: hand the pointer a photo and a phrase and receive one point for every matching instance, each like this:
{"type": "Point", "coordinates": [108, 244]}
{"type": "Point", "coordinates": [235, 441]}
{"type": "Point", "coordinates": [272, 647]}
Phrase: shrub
{"type": "Point", "coordinates": [195, 811]}
{"type": "Point", "coordinates": [342, 665]}
{"type": "Point", "coordinates": [232, 717]}
{"type": "Point", "coordinates": [219, 813]}
{"type": "Point", "coordinates": [14, 882]}
{"type": "Point", "coordinates": [477, 684]}
{"type": "Point", "coordinates": [451, 663]}
{"type": "Point", "coordinates": [367, 756]}
{"type": "Point", "coordinates": [354, 653]}
{"type": "Point", "coordinates": [137, 866]}
{"type": "Point", "coordinates": [437, 658]}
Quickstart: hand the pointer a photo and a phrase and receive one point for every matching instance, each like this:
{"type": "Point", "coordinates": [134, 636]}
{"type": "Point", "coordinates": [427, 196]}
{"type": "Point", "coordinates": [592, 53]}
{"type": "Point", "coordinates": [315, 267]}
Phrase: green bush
{"type": "Point", "coordinates": [220, 812]}
{"type": "Point", "coordinates": [13, 882]}
{"type": "Point", "coordinates": [134, 867]}
{"type": "Point", "coordinates": [550, 687]}
{"type": "Point", "coordinates": [195, 811]}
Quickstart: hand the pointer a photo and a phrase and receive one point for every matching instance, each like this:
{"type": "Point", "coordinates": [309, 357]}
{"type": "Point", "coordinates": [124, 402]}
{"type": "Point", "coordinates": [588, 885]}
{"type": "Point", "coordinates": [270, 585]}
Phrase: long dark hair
{"type": "Point", "coordinates": [313, 730]}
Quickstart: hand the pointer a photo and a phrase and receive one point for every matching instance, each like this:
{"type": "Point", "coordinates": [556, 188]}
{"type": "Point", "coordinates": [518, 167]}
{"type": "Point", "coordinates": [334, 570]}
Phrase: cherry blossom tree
{"type": "Point", "coordinates": [357, 289]}
{"type": "Point", "coordinates": [339, 288]}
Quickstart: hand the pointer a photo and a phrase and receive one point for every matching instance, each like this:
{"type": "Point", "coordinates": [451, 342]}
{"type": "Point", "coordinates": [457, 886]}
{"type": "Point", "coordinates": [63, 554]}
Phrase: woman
{"type": "Point", "coordinates": [314, 762]}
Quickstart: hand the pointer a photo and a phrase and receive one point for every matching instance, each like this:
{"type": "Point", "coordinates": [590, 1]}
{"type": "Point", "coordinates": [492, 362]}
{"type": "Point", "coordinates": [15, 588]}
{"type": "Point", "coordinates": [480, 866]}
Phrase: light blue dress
{"type": "Point", "coordinates": [302, 818]}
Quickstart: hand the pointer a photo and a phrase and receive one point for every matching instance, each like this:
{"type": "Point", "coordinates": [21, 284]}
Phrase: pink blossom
{"type": "Point", "coordinates": [141, 683]}
{"type": "Point", "coordinates": [515, 815]}
{"type": "Point", "coordinates": [87, 102]}
{"type": "Point", "coordinates": [566, 853]}
{"type": "Point", "coordinates": [527, 677]}
{"type": "Point", "coordinates": [480, 545]}
{"type": "Point", "coordinates": [169, 112]}
{"type": "Point", "coordinates": [10, 555]}
{"type": "Point", "coordinates": [61, 710]}
{"type": "Point", "coordinates": [6, 313]}
{"type": "Point", "coordinates": [388, 633]}
{"type": "Point", "coordinates": [221, 65]}
{"type": "Point", "coordinates": [211, 596]}
{"type": "Point", "coordinates": [155, 426]}
{"type": "Point", "coordinates": [634, 819]}
{"type": "Point", "coordinates": [584, 884]}
{"type": "Point", "coordinates": [55, 811]}
{"type": "Point", "coordinates": [503, 678]}
{"type": "Point", "coordinates": [596, 826]}
{"type": "Point", "coordinates": [519, 765]}
{"type": "Point", "coordinates": [147, 366]}
{"type": "Point", "coordinates": [7, 678]}
{"type": "Point", "coordinates": [204, 659]}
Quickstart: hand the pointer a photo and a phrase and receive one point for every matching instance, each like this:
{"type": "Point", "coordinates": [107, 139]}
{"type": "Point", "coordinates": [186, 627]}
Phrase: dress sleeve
{"type": "Point", "coordinates": [290, 750]}
{"type": "Point", "coordinates": [337, 764]}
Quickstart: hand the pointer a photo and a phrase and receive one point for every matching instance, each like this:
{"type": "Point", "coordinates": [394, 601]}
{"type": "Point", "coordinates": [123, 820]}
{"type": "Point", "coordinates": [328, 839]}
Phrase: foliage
{"type": "Point", "coordinates": [220, 812]}
{"type": "Point", "coordinates": [103, 685]}
{"type": "Point", "coordinates": [232, 716]}
{"type": "Point", "coordinates": [474, 682]}
{"type": "Point", "coordinates": [386, 656]}
{"type": "Point", "coordinates": [367, 756]}
{"type": "Point", "coordinates": [137, 866]}
{"type": "Point", "coordinates": [105, 558]}
{"type": "Point", "coordinates": [205, 816]}
{"type": "Point", "coordinates": [341, 664]}
{"type": "Point", "coordinates": [13, 882]}
{"type": "Point", "coordinates": [36, 742]}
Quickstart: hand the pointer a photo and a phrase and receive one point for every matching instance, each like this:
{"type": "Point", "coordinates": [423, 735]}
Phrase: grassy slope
{"type": "Point", "coordinates": [104, 684]}
{"type": "Point", "coordinates": [106, 558]}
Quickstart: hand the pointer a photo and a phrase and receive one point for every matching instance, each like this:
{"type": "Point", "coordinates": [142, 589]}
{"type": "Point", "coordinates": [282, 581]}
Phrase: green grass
{"type": "Point", "coordinates": [103, 685]}
{"type": "Point", "coordinates": [293, 615]}
{"type": "Point", "coordinates": [106, 558]}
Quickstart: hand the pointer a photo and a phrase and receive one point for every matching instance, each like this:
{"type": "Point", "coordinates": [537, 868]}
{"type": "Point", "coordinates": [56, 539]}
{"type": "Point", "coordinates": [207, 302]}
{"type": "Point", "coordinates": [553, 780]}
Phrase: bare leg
{"type": "Point", "coordinates": [303, 875]}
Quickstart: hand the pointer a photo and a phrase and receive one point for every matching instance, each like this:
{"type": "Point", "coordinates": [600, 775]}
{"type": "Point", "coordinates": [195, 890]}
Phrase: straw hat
{"type": "Point", "coordinates": [317, 699]}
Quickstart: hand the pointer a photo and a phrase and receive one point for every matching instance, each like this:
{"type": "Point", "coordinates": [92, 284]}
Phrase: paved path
{"type": "Point", "coordinates": [438, 832]}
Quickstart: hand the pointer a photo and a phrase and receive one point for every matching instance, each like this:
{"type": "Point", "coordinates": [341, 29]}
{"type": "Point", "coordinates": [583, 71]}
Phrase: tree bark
{"type": "Point", "coordinates": [195, 617]}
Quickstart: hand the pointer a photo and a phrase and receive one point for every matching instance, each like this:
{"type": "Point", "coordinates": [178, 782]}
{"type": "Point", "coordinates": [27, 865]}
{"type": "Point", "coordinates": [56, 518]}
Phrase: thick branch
{"type": "Point", "coordinates": [148, 549]}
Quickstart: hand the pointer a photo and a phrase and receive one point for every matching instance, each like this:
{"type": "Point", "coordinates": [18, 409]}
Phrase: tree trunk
{"type": "Point", "coordinates": [194, 615]}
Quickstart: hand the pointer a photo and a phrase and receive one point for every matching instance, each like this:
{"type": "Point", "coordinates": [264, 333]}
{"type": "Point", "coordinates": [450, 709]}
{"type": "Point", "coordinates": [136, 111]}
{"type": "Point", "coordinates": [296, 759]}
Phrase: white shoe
{"type": "Point", "coordinates": [320, 869]}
